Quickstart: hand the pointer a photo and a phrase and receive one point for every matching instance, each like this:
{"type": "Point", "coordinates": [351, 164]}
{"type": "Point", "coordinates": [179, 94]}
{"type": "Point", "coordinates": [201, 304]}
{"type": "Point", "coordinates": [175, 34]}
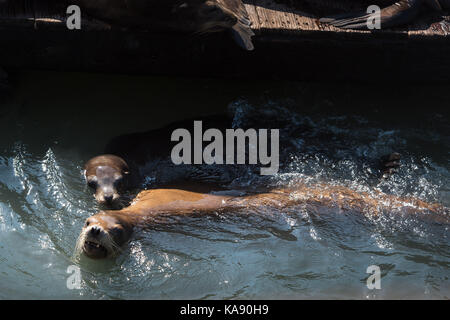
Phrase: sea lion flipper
{"type": "Point", "coordinates": [399, 13]}
{"type": "Point", "coordinates": [240, 29]}
{"type": "Point", "coordinates": [243, 36]}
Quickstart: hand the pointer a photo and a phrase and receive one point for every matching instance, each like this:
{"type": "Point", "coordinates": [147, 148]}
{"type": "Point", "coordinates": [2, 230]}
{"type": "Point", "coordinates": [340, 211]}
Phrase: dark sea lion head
{"type": "Point", "coordinates": [230, 15]}
{"type": "Point", "coordinates": [219, 15]}
{"type": "Point", "coordinates": [213, 17]}
{"type": "Point", "coordinates": [107, 175]}
{"type": "Point", "coordinates": [104, 234]}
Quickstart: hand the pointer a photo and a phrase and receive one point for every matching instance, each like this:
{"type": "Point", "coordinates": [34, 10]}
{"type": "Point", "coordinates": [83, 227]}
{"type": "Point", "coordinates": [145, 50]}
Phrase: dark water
{"type": "Point", "coordinates": [52, 123]}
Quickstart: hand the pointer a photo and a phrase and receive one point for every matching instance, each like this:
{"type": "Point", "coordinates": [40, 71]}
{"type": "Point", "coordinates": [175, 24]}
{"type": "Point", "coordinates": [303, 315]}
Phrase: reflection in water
{"type": "Point", "coordinates": [55, 122]}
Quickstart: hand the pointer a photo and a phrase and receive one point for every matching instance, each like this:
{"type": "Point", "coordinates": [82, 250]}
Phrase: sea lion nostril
{"type": "Point", "coordinates": [108, 198]}
{"type": "Point", "coordinates": [95, 231]}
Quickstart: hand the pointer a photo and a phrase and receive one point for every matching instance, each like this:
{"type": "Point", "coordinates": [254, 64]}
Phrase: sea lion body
{"type": "Point", "coordinates": [395, 14]}
{"type": "Point", "coordinates": [104, 233]}
{"type": "Point", "coordinates": [190, 16]}
{"type": "Point", "coordinates": [148, 161]}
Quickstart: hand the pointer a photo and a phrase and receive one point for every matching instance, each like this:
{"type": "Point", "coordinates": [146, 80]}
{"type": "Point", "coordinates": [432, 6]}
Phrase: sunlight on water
{"type": "Point", "coordinates": [296, 252]}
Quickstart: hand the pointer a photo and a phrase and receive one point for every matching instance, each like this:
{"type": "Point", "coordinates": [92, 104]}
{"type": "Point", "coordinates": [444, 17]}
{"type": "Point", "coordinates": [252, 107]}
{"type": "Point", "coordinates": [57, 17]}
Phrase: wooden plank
{"type": "Point", "coordinates": [253, 15]}
{"type": "Point", "coordinates": [282, 18]}
{"type": "Point", "coordinates": [264, 18]}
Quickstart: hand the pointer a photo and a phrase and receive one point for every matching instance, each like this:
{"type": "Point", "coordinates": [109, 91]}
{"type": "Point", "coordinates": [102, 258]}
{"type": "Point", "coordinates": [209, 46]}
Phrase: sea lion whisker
{"type": "Point", "coordinates": [113, 247]}
{"type": "Point", "coordinates": [79, 244]}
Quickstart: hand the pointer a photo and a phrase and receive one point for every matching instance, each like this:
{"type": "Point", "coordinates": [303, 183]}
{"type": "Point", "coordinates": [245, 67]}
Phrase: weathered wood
{"type": "Point", "coordinates": [289, 43]}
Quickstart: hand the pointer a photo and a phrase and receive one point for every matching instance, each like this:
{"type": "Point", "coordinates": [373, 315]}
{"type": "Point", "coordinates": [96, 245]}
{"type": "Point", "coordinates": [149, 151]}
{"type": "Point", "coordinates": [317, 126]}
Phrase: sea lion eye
{"type": "Point", "coordinates": [92, 184]}
{"type": "Point", "coordinates": [87, 223]}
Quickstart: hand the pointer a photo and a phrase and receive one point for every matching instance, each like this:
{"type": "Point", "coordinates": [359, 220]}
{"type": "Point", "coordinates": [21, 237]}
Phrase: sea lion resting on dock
{"type": "Point", "coordinates": [195, 16]}
{"type": "Point", "coordinates": [105, 233]}
{"type": "Point", "coordinates": [398, 13]}
{"type": "Point", "coordinates": [129, 159]}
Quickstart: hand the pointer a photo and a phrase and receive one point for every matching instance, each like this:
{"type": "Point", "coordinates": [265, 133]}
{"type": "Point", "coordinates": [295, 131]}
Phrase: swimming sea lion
{"type": "Point", "coordinates": [193, 16]}
{"type": "Point", "coordinates": [136, 157]}
{"type": "Point", "coordinates": [399, 13]}
{"type": "Point", "coordinates": [108, 175]}
{"type": "Point", "coordinates": [105, 233]}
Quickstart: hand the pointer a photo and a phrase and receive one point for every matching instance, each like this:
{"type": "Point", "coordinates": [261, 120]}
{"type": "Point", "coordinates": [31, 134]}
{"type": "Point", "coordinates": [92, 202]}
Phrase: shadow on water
{"type": "Point", "coordinates": [52, 123]}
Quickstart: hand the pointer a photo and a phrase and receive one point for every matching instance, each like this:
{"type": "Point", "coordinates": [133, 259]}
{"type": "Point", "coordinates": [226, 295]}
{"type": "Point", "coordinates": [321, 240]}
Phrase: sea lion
{"type": "Point", "coordinates": [108, 175]}
{"type": "Point", "coordinates": [193, 16]}
{"type": "Point", "coordinates": [148, 162]}
{"type": "Point", "coordinates": [399, 13]}
{"type": "Point", "coordinates": [139, 156]}
{"type": "Point", "coordinates": [104, 234]}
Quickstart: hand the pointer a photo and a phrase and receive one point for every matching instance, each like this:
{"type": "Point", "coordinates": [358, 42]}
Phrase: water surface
{"type": "Point", "coordinates": [53, 122]}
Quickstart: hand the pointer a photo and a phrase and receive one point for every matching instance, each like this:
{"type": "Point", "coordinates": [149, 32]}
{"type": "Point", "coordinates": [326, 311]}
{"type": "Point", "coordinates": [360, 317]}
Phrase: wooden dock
{"type": "Point", "coordinates": [289, 43]}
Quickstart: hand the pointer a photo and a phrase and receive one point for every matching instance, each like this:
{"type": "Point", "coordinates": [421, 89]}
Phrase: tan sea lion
{"type": "Point", "coordinates": [192, 16]}
{"type": "Point", "coordinates": [398, 13]}
{"type": "Point", "coordinates": [105, 233]}
{"type": "Point", "coordinates": [124, 165]}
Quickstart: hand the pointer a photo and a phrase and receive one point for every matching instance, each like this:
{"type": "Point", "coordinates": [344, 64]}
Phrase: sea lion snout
{"type": "Point", "coordinates": [95, 231]}
{"type": "Point", "coordinates": [107, 194]}
{"type": "Point", "coordinates": [108, 198]}
{"type": "Point", "coordinates": [215, 16]}
{"type": "Point", "coordinates": [103, 234]}
{"type": "Point", "coordinates": [93, 245]}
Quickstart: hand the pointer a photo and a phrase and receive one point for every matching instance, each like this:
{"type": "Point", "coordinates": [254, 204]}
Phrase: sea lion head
{"type": "Point", "coordinates": [103, 235]}
{"type": "Point", "coordinates": [107, 175]}
{"type": "Point", "coordinates": [213, 17]}
{"type": "Point", "coordinates": [216, 16]}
